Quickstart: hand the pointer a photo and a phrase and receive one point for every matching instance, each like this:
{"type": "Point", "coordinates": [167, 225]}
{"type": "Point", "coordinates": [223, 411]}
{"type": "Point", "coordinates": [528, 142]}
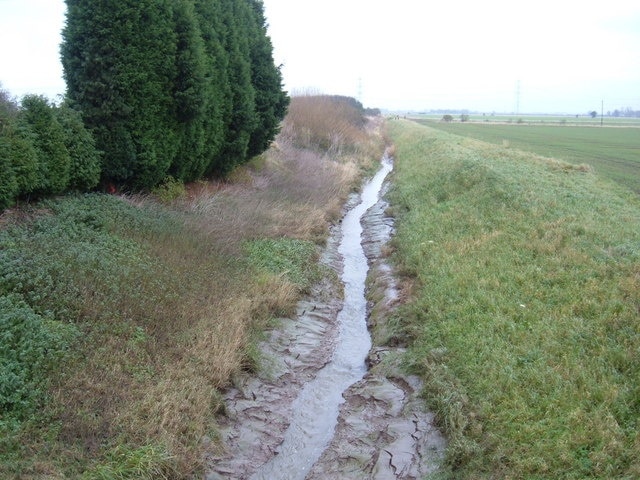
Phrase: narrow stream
{"type": "Point", "coordinates": [316, 408]}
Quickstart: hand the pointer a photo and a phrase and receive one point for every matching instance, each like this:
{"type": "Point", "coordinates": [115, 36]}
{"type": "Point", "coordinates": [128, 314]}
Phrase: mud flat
{"type": "Point", "coordinates": [327, 405]}
{"type": "Point", "coordinates": [383, 431]}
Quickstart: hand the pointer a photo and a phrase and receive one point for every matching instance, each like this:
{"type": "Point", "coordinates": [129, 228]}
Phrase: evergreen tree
{"type": "Point", "coordinates": [179, 87]}
{"type": "Point", "coordinates": [190, 94]}
{"type": "Point", "coordinates": [8, 181]}
{"type": "Point", "coordinates": [19, 140]}
{"type": "Point", "coordinates": [271, 101]}
{"type": "Point", "coordinates": [17, 149]}
{"type": "Point", "coordinates": [54, 162]}
{"type": "Point", "coordinates": [216, 105]}
{"type": "Point", "coordinates": [242, 119]}
{"type": "Point", "coordinates": [84, 157]}
{"type": "Point", "coordinates": [118, 59]}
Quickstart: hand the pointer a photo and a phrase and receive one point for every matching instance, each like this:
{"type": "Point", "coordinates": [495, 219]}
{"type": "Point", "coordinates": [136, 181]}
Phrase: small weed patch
{"type": "Point", "coordinates": [296, 260]}
{"type": "Point", "coordinates": [122, 462]}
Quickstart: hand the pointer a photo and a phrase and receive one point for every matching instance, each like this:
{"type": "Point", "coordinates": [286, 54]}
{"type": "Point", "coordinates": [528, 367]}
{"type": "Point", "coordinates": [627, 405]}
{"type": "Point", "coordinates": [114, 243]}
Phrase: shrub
{"type": "Point", "coordinates": [170, 189]}
{"type": "Point", "coordinates": [30, 345]}
{"type": "Point", "coordinates": [24, 159]}
{"type": "Point", "coordinates": [325, 123]}
{"type": "Point", "coordinates": [18, 159]}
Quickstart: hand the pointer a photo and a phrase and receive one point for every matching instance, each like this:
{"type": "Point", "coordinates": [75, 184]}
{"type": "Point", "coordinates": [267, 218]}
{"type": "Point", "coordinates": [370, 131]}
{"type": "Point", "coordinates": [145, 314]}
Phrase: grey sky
{"type": "Point", "coordinates": [490, 55]}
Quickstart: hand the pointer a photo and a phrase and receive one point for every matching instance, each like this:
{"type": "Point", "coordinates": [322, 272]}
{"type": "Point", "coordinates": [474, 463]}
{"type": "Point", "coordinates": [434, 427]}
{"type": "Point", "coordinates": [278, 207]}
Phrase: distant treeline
{"type": "Point", "coordinates": [624, 112]}
{"type": "Point", "coordinates": [155, 88]}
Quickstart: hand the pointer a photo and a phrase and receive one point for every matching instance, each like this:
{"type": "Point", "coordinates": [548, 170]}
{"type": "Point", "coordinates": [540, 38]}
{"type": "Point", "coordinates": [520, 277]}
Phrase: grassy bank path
{"type": "Point", "coordinates": [523, 313]}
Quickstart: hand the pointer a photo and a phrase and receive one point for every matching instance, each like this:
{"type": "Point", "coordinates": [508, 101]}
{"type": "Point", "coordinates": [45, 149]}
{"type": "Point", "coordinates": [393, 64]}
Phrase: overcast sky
{"type": "Point", "coordinates": [489, 55]}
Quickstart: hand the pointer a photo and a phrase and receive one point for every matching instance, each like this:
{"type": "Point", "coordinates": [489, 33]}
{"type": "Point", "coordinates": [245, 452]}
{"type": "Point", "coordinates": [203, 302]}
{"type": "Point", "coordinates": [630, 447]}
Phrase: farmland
{"type": "Point", "coordinates": [612, 152]}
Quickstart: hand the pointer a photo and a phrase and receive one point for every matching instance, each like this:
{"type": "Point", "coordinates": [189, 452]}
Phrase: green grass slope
{"type": "Point", "coordinates": [524, 309]}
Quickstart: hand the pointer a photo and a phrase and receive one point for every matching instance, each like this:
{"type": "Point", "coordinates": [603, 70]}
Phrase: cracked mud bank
{"type": "Point", "coordinates": [354, 422]}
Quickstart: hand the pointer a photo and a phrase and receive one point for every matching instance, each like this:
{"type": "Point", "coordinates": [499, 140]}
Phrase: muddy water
{"type": "Point", "coordinates": [316, 412]}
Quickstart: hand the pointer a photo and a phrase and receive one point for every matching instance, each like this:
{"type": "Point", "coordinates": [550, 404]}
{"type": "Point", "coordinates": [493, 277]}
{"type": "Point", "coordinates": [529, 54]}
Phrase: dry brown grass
{"type": "Point", "coordinates": [300, 185]}
{"type": "Point", "coordinates": [332, 125]}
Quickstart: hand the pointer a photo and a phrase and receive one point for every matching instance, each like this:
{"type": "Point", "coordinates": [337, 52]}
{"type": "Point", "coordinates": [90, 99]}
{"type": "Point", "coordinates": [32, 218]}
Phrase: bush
{"type": "Point", "coordinates": [24, 159]}
{"type": "Point", "coordinates": [30, 345]}
{"type": "Point", "coordinates": [332, 124]}
{"type": "Point", "coordinates": [18, 159]}
{"type": "Point", "coordinates": [171, 189]}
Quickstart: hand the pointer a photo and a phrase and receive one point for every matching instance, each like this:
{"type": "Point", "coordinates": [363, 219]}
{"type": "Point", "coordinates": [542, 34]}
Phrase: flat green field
{"type": "Point", "coordinates": [612, 151]}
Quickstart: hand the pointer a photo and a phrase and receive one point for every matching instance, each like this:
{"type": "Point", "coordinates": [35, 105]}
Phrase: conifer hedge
{"type": "Point", "coordinates": [44, 150]}
{"type": "Point", "coordinates": [172, 87]}
{"type": "Point", "coordinates": [155, 89]}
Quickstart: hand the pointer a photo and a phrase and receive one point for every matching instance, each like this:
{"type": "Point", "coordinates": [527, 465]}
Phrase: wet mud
{"type": "Point", "coordinates": [380, 429]}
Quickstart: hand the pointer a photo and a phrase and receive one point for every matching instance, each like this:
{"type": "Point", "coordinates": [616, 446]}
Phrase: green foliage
{"type": "Point", "coordinates": [19, 140]}
{"type": "Point", "coordinates": [270, 100]}
{"type": "Point", "coordinates": [85, 158]}
{"type": "Point", "coordinates": [190, 95]}
{"type": "Point", "coordinates": [44, 149]}
{"type": "Point", "coordinates": [181, 88]}
{"type": "Point", "coordinates": [18, 156]}
{"type": "Point", "coordinates": [240, 121]}
{"type": "Point", "coordinates": [170, 189]}
{"type": "Point", "coordinates": [295, 259]}
{"type": "Point", "coordinates": [30, 346]}
{"type": "Point", "coordinates": [119, 67]}
{"type": "Point", "coordinates": [54, 161]}
{"type": "Point", "coordinates": [217, 105]}
{"type": "Point", "coordinates": [524, 321]}
{"type": "Point", "coordinates": [8, 182]}
{"type": "Point", "coordinates": [123, 463]}
{"type": "Point", "coordinates": [35, 261]}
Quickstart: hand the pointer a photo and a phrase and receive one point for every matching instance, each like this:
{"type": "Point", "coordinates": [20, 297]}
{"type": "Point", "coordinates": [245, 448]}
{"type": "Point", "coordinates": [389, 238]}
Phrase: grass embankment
{"type": "Point", "coordinates": [123, 317]}
{"type": "Point", "coordinates": [613, 152]}
{"type": "Point", "coordinates": [523, 316]}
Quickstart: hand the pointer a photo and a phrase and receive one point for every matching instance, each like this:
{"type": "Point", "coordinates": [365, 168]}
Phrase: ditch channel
{"type": "Point", "coordinates": [328, 404]}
